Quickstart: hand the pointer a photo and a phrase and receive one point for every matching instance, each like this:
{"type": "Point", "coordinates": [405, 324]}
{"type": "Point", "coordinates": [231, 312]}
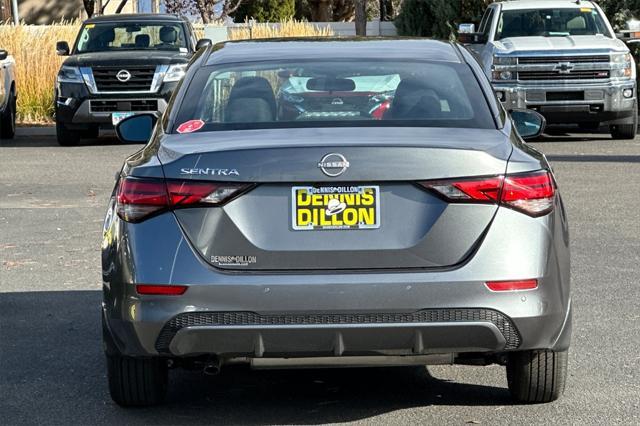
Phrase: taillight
{"type": "Point", "coordinates": [512, 285]}
{"type": "Point", "coordinates": [530, 193]}
{"type": "Point", "coordinates": [138, 199]}
{"type": "Point", "coordinates": [161, 290]}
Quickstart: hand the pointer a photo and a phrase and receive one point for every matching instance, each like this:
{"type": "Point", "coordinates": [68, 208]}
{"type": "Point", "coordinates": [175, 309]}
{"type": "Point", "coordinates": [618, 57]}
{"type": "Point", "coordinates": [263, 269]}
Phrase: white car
{"type": "Point", "coordinates": [8, 95]}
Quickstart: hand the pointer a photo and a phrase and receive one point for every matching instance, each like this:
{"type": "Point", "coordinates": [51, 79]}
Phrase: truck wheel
{"type": "Point", "coordinates": [625, 131]}
{"type": "Point", "coordinates": [65, 136]}
{"type": "Point", "coordinates": [92, 132]}
{"type": "Point", "coordinates": [590, 127]}
{"type": "Point", "coordinates": [136, 381]}
{"type": "Point", "coordinates": [8, 120]}
{"type": "Point", "coordinates": [537, 376]}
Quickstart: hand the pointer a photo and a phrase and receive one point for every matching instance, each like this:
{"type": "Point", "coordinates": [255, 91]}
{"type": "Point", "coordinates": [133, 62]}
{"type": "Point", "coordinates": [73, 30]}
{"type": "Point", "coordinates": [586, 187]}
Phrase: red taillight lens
{"type": "Point", "coordinates": [140, 198]}
{"type": "Point", "coordinates": [161, 290]}
{"type": "Point", "coordinates": [137, 198]}
{"type": "Point", "coordinates": [512, 285]}
{"type": "Point", "coordinates": [530, 193]}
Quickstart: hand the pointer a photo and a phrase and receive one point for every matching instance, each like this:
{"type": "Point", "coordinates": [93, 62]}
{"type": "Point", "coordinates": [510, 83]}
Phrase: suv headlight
{"type": "Point", "coordinates": [69, 75]}
{"type": "Point", "coordinates": [622, 65]}
{"type": "Point", "coordinates": [175, 73]}
{"type": "Point", "coordinates": [503, 68]}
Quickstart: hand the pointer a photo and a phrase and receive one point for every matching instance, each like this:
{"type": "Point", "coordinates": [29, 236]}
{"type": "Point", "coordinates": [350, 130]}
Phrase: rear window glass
{"type": "Point", "coordinates": [335, 93]}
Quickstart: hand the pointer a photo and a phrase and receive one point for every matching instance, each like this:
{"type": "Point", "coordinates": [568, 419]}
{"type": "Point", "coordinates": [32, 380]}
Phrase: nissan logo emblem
{"type": "Point", "coordinates": [333, 164]}
{"type": "Point", "coordinates": [123, 76]}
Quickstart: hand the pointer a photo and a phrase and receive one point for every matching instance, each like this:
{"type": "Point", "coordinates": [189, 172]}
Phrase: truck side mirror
{"type": "Point", "coordinates": [203, 42]}
{"type": "Point", "coordinates": [3, 54]}
{"type": "Point", "coordinates": [467, 35]}
{"type": "Point", "coordinates": [62, 48]}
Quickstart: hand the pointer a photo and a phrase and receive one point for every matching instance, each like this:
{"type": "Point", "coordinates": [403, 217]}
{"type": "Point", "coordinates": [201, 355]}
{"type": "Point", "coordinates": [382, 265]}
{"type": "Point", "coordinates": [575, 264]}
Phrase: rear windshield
{"type": "Point", "coordinates": [112, 36]}
{"type": "Point", "coordinates": [326, 93]}
{"type": "Point", "coordinates": [550, 23]}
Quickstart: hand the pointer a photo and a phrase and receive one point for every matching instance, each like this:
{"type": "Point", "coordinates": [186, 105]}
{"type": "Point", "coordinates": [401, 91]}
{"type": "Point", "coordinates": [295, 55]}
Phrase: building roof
{"type": "Point", "coordinates": [544, 4]}
{"type": "Point", "coordinates": [333, 48]}
{"type": "Point", "coordinates": [135, 17]}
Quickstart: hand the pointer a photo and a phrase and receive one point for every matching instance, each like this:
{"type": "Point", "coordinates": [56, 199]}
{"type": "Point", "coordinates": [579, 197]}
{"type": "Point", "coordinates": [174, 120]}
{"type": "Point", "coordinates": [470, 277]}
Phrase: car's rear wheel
{"type": "Point", "coordinates": [537, 376]}
{"type": "Point", "coordinates": [67, 137]}
{"type": "Point", "coordinates": [8, 120]}
{"type": "Point", "coordinates": [137, 381]}
{"type": "Point", "coordinates": [625, 131]}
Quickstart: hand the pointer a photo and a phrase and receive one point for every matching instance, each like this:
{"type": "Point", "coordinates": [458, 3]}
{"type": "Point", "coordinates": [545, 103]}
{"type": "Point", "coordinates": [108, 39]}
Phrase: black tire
{"type": "Point", "coordinates": [537, 376]}
{"type": "Point", "coordinates": [8, 120]}
{"type": "Point", "coordinates": [137, 381]}
{"type": "Point", "coordinates": [67, 137]}
{"type": "Point", "coordinates": [625, 131]}
{"type": "Point", "coordinates": [590, 127]}
{"type": "Point", "coordinates": [92, 132]}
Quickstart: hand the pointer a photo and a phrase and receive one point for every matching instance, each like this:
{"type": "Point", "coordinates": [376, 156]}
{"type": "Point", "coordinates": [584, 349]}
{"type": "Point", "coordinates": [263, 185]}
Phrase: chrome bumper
{"type": "Point", "coordinates": [589, 97]}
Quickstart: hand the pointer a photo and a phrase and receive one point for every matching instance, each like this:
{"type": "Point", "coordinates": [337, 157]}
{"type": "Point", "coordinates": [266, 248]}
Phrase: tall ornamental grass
{"type": "Point", "coordinates": [33, 47]}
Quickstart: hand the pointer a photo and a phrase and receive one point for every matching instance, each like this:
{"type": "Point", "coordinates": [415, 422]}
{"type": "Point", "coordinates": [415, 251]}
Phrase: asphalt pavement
{"type": "Point", "coordinates": [52, 202]}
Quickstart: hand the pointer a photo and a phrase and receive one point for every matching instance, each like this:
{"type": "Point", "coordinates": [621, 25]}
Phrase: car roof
{"type": "Point", "coordinates": [544, 4]}
{"type": "Point", "coordinates": [135, 17]}
{"type": "Point", "coordinates": [334, 48]}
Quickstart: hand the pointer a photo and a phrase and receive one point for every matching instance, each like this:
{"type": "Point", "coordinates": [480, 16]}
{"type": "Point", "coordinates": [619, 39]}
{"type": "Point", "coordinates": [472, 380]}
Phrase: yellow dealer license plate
{"type": "Point", "coordinates": [335, 207]}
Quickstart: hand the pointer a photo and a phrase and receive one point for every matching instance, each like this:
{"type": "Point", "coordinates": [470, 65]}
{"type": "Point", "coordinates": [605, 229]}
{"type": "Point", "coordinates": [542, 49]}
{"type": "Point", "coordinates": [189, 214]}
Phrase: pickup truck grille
{"type": "Point", "coordinates": [544, 68]}
{"type": "Point", "coordinates": [557, 59]}
{"type": "Point", "coordinates": [556, 75]}
{"type": "Point", "coordinates": [141, 78]}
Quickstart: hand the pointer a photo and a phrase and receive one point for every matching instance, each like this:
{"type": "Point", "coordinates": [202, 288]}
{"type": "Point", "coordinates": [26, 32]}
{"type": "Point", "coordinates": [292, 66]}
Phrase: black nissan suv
{"type": "Point", "coordinates": [119, 65]}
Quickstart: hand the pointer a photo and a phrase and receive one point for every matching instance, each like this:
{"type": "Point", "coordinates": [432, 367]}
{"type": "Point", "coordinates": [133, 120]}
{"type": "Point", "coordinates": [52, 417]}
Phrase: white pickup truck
{"type": "Point", "coordinates": [8, 96]}
{"type": "Point", "coordinates": [560, 58]}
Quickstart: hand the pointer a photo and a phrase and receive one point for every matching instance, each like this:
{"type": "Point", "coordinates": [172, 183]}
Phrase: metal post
{"type": "Point", "coordinates": [14, 10]}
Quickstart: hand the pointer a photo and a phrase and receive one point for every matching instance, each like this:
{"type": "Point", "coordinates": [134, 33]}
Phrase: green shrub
{"type": "Point", "coordinates": [437, 18]}
{"type": "Point", "coordinates": [266, 10]}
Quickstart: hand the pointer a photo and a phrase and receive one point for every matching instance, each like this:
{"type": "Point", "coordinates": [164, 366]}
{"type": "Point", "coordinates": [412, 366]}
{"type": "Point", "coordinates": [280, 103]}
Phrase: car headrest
{"type": "Point", "coordinates": [107, 36]}
{"type": "Point", "coordinates": [248, 110]}
{"type": "Point", "coordinates": [414, 100]}
{"type": "Point", "coordinates": [143, 40]}
{"type": "Point", "coordinates": [168, 35]}
{"type": "Point", "coordinates": [254, 88]}
{"type": "Point", "coordinates": [577, 24]}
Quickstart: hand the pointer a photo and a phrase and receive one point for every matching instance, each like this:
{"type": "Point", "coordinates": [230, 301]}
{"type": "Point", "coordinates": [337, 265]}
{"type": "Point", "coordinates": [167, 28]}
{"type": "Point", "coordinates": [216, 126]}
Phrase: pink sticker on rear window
{"type": "Point", "coordinates": [190, 126]}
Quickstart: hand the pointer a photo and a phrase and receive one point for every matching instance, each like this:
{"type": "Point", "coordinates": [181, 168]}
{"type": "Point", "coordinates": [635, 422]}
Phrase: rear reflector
{"type": "Point", "coordinates": [512, 285]}
{"type": "Point", "coordinates": [161, 290]}
{"type": "Point", "coordinates": [139, 198]}
{"type": "Point", "coordinates": [530, 193]}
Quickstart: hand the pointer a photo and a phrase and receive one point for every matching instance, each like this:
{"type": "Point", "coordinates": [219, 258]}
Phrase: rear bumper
{"type": "Point", "coordinates": [337, 314]}
{"type": "Point", "coordinates": [588, 102]}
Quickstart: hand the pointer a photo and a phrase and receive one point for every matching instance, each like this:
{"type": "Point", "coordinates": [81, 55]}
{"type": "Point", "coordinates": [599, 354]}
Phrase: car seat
{"type": "Point", "coordinates": [251, 101]}
{"type": "Point", "coordinates": [414, 100]}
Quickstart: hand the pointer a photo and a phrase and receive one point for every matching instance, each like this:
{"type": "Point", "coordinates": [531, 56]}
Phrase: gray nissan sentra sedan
{"type": "Point", "coordinates": [335, 202]}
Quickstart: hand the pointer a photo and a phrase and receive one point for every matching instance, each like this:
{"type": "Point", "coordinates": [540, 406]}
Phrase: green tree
{"type": "Point", "coordinates": [266, 10]}
{"type": "Point", "coordinates": [426, 18]}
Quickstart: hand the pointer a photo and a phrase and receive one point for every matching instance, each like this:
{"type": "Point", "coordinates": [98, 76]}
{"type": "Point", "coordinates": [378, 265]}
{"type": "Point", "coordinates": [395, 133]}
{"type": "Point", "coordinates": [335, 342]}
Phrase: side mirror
{"type": "Point", "coordinates": [3, 54]}
{"type": "Point", "coordinates": [466, 28]}
{"type": "Point", "coordinates": [472, 38]}
{"type": "Point", "coordinates": [203, 42]}
{"type": "Point", "coordinates": [62, 48]}
{"type": "Point", "coordinates": [136, 129]}
{"type": "Point", "coordinates": [529, 124]}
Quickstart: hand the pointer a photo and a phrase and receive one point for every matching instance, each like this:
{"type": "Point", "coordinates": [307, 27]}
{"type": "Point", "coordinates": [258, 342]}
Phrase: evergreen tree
{"type": "Point", "coordinates": [266, 10]}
